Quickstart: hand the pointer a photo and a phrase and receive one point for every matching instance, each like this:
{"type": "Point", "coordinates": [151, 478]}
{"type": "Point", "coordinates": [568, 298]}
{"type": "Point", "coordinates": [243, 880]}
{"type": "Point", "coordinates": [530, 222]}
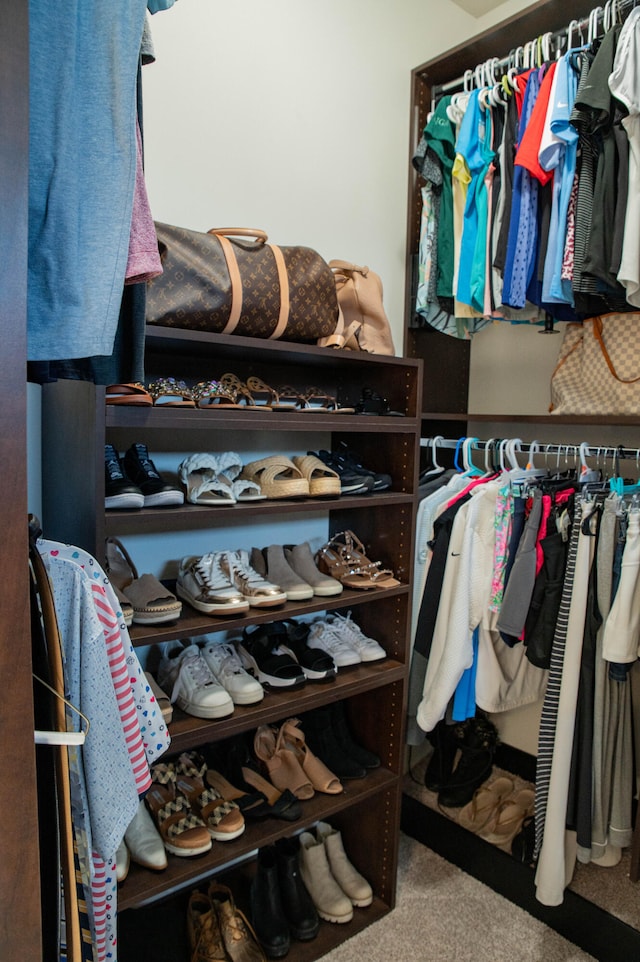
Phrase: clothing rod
{"type": "Point", "coordinates": [572, 450]}
{"type": "Point", "coordinates": [622, 6]}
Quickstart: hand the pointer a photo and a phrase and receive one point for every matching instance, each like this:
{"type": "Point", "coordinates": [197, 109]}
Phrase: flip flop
{"type": "Point", "coordinates": [476, 813]}
{"type": "Point", "coordinates": [169, 392]}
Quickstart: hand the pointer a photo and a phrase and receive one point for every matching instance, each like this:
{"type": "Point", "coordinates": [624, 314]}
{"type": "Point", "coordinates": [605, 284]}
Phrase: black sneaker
{"type": "Point", "coordinates": [351, 481]}
{"type": "Point", "coordinates": [119, 491]}
{"type": "Point", "coordinates": [143, 472]}
{"type": "Point", "coordinates": [351, 461]}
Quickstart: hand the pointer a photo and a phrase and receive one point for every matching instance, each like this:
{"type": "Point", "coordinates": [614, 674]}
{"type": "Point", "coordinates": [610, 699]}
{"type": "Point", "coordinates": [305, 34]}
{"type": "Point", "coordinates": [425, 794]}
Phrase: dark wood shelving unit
{"type": "Point", "coordinates": [78, 423]}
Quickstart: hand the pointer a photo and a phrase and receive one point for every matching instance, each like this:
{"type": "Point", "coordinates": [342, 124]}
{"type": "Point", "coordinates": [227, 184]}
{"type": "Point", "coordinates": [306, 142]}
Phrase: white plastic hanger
{"type": "Point", "coordinates": [61, 738]}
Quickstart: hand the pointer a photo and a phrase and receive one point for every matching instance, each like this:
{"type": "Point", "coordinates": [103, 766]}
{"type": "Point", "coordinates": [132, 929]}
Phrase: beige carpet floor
{"type": "Point", "coordinates": [444, 915]}
{"type": "Point", "coordinates": [609, 888]}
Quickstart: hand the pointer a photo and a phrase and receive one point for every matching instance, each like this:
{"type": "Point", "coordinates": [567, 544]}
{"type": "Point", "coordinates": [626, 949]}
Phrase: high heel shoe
{"type": "Point", "coordinates": [281, 763]}
{"type": "Point", "coordinates": [251, 804]}
{"type": "Point", "coordinates": [242, 770]}
{"type": "Point", "coordinates": [319, 775]}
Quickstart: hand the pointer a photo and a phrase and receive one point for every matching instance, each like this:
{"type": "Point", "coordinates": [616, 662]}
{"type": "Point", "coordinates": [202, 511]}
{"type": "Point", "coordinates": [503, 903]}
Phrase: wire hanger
{"type": "Point", "coordinates": [61, 738]}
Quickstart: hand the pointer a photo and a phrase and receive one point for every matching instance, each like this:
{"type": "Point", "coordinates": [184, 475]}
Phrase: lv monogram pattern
{"type": "Point", "coordinates": [194, 291]}
{"type": "Point", "coordinates": [582, 382]}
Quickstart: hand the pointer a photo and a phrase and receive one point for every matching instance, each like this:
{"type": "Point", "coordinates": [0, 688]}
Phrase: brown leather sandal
{"type": "Point", "coordinates": [223, 818]}
{"type": "Point", "coordinates": [182, 831]}
{"type": "Point", "coordinates": [344, 559]}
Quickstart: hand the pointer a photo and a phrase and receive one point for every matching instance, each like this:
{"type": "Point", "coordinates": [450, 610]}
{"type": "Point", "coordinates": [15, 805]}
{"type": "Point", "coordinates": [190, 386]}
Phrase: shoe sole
{"type": "Point", "coordinates": [186, 852]}
{"type": "Point", "coordinates": [163, 499]}
{"type": "Point", "coordinates": [330, 917]}
{"type": "Point", "coordinates": [373, 657]}
{"type": "Point", "coordinates": [329, 591]}
{"type": "Point", "coordinates": [124, 501]}
{"type": "Point", "coordinates": [247, 699]}
{"type": "Point", "coordinates": [271, 602]}
{"type": "Point", "coordinates": [226, 836]}
{"type": "Point", "coordinates": [211, 608]}
{"type": "Point", "coordinates": [299, 594]}
{"type": "Point", "coordinates": [151, 618]}
{"type": "Point", "coordinates": [214, 711]}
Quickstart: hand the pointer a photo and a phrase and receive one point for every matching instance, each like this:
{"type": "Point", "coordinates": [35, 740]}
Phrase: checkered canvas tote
{"type": "Point", "coordinates": [598, 368]}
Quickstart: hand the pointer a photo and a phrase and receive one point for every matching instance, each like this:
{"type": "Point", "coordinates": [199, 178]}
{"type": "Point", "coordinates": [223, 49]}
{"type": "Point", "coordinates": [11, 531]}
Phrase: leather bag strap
{"type": "Point", "coordinates": [283, 280]}
{"type": "Point", "coordinates": [260, 235]}
{"type": "Point", "coordinates": [597, 333]}
{"type": "Point", "coordinates": [236, 283]}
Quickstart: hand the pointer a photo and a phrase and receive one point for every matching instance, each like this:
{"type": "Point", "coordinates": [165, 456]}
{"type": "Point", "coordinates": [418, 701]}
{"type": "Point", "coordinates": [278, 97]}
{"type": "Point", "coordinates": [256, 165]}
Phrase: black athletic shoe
{"type": "Point", "coordinates": [141, 470]}
{"type": "Point", "coordinates": [119, 491]}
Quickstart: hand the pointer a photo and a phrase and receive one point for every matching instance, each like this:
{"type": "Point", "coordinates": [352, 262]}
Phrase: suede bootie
{"type": "Point", "coordinates": [329, 899]}
{"type": "Point", "coordinates": [352, 883]}
{"type": "Point", "coordinates": [272, 564]}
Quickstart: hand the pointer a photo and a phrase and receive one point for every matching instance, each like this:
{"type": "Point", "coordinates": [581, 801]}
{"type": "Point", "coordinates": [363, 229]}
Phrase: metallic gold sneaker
{"type": "Point", "coordinates": [207, 588]}
{"type": "Point", "coordinates": [254, 589]}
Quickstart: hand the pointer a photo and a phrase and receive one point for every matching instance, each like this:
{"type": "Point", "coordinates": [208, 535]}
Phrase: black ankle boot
{"type": "Point", "coordinates": [362, 756]}
{"type": "Point", "coordinates": [323, 742]}
{"type": "Point", "coordinates": [299, 910]}
{"type": "Point", "coordinates": [446, 739]}
{"type": "Point", "coordinates": [474, 766]}
{"type": "Point", "coordinates": [269, 921]}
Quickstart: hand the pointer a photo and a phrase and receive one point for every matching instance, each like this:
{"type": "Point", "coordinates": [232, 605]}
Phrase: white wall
{"type": "Point", "coordinates": [293, 116]}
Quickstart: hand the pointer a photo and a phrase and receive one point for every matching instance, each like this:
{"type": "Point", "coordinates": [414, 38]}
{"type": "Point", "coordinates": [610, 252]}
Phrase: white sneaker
{"type": "Point", "coordinates": [367, 648]}
{"type": "Point", "coordinates": [325, 636]}
{"type": "Point", "coordinates": [224, 661]}
{"type": "Point", "coordinates": [255, 589]}
{"type": "Point", "coordinates": [184, 672]}
{"type": "Point", "coordinates": [207, 588]}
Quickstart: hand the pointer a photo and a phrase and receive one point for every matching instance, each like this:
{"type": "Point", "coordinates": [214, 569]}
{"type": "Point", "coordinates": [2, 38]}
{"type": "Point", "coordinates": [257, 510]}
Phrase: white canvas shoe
{"type": "Point", "coordinates": [224, 661]}
{"type": "Point", "coordinates": [143, 841]}
{"type": "Point", "coordinates": [184, 673]}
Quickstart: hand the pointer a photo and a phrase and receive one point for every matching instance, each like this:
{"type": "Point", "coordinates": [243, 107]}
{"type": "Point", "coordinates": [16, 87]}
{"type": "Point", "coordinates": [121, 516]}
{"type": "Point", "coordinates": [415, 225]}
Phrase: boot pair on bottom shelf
{"type": "Point", "coordinates": [299, 881]}
{"type": "Point", "coordinates": [217, 930]}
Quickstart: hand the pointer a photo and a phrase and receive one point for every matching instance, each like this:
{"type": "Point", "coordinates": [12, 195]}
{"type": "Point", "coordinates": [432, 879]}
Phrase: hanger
{"type": "Point", "coordinates": [435, 467]}
{"type": "Point", "coordinates": [61, 738]}
{"type": "Point", "coordinates": [592, 31]}
{"type": "Point", "coordinates": [470, 469]}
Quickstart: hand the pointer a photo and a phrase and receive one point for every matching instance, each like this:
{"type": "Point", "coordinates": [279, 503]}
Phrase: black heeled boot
{"type": "Point", "coordinates": [474, 766]}
{"type": "Point", "coordinates": [362, 756]}
{"type": "Point", "coordinates": [298, 907]}
{"type": "Point", "coordinates": [446, 740]}
{"type": "Point", "coordinates": [323, 742]}
{"type": "Point", "coordinates": [269, 921]}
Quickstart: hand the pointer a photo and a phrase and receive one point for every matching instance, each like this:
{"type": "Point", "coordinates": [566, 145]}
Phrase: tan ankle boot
{"type": "Point", "coordinates": [352, 883]}
{"type": "Point", "coordinates": [327, 896]}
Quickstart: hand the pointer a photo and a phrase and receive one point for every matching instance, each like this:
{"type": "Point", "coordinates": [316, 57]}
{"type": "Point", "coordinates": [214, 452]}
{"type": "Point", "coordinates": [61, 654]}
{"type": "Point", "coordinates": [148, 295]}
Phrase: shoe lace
{"type": "Point", "coordinates": [329, 636]}
{"type": "Point", "coordinates": [145, 461]}
{"type": "Point", "coordinates": [238, 565]}
{"type": "Point", "coordinates": [210, 570]}
{"type": "Point", "coordinates": [196, 667]}
{"type": "Point", "coordinates": [227, 661]}
{"type": "Point", "coordinates": [112, 463]}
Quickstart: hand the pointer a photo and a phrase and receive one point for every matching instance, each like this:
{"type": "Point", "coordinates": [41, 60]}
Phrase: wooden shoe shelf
{"type": "Point", "coordinates": [76, 425]}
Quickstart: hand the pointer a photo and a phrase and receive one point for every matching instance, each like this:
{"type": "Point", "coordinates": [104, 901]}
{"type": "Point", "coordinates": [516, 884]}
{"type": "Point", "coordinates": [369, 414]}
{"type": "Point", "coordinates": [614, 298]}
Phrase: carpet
{"type": "Point", "coordinates": [444, 915]}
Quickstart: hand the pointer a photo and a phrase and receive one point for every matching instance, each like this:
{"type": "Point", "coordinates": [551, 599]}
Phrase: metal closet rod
{"type": "Point", "coordinates": [539, 447]}
{"type": "Point", "coordinates": [557, 38]}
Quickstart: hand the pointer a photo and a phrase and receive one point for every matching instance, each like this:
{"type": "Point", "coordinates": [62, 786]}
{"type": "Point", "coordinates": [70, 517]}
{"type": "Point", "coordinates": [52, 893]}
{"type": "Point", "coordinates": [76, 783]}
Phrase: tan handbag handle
{"type": "Point", "coordinates": [259, 235]}
{"type": "Point", "coordinates": [337, 265]}
{"type": "Point", "coordinates": [223, 235]}
{"type": "Point", "coordinates": [597, 333]}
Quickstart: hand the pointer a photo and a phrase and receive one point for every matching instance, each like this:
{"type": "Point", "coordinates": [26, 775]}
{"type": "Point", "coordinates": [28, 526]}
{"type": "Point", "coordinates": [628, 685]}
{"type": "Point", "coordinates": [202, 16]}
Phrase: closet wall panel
{"type": "Point", "coordinates": [19, 886]}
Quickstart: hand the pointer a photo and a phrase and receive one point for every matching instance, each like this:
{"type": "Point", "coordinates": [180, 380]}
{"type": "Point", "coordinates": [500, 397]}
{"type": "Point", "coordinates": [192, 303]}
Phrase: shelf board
{"type": "Point", "coordinates": [164, 418]}
{"type": "Point", "coordinates": [192, 623]}
{"type": "Point", "coordinates": [195, 516]}
{"type": "Point", "coordinates": [187, 731]}
{"type": "Point", "coordinates": [143, 887]}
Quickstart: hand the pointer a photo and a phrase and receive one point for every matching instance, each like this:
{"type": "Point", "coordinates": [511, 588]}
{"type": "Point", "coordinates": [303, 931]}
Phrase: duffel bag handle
{"type": "Point", "coordinates": [259, 235]}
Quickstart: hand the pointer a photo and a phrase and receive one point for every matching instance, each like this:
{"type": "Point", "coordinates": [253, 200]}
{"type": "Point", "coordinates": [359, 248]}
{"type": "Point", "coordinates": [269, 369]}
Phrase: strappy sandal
{"type": "Point", "coordinates": [182, 831]}
{"type": "Point", "coordinates": [322, 779]}
{"type": "Point", "coordinates": [277, 476]}
{"type": "Point", "coordinates": [134, 393]}
{"type": "Point", "coordinates": [344, 559]}
{"type": "Point", "coordinates": [212, 395]}
{"type": "Point", "coordinates": [263, 394]}
{"type": "Point", "coordinates": [222, 817]}
{"type": "Point", "coordinates": [200, 474]}
{"type": "Point", "coordinates": [241, 392]}
{"type": "Point", "coordinates": [242, 769]}
{"type": "Point", "coordinates": [486, 799]}
{"type": "Point", "coordinates": [281, 763]}
{"type": "Point", "coordinates": [169, 392]}
{"type": "Point", "coordinates": [289, 399]}
{"type": "Point", "coordinates": [323, 481]}
{"type": "Point", "coordinates": [152, 603]}
{"type": "Point", "coordinates": [317, 401]}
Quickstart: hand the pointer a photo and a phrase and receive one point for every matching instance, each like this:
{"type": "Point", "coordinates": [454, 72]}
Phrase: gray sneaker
{"type": "Point", "coordinates": [203, 583]}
